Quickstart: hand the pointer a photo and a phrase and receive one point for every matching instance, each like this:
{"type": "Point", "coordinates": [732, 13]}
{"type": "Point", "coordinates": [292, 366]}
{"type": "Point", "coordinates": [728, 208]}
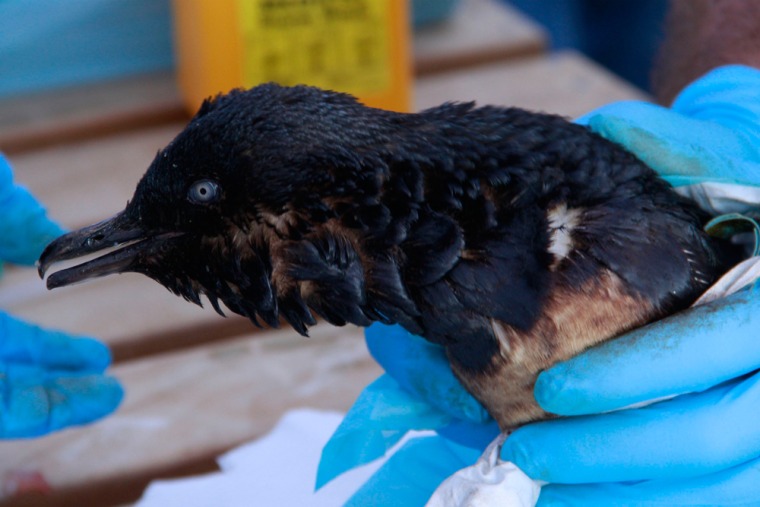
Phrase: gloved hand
{"type": "Point", "coordinates": [702, 446]}
{"type": "Point", "coordinates": [48, 380]}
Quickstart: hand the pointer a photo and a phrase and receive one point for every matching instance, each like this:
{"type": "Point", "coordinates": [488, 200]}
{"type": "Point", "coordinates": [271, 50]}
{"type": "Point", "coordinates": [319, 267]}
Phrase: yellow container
{"type": "Point", "coordinates": [357, 46]}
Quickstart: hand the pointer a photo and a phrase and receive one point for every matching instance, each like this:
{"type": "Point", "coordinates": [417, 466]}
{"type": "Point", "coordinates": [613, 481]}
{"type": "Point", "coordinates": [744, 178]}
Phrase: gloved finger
{"type": "Point", "coordinates": [379, 418]}
{"type": "Point", "coordinates": [422, 368]}
{"type": "Point", "coordinates": [687, 352]}
{"type": "Point", "coordinates": [25, 229]}
{"type": "Point", "coordinates": [25, 343]}
{"type": "Point", "coordinates": [712, 131]}
{"type": "Point", "coordinates": [474, 435]}
{"type": "Point", "coordinates": [413, 473]}
{"type": "Point", "coordinates": [681, 160]}
{"type": "Point", "coordinates": [33, 410]}
{"type": "Point", "coordinates": [687, 436]}
{"type": "Point", "coordinates": [734, 486]}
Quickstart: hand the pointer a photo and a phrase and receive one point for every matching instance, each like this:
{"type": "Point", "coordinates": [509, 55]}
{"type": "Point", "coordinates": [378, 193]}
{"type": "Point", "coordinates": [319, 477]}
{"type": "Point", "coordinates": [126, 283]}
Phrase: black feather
{"type": "Point", "coordinates": [440, 221]}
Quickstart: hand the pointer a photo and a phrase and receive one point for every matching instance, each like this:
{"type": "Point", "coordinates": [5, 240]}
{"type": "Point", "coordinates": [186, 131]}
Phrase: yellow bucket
{"type": "Point", "coordinates": [357, 46]}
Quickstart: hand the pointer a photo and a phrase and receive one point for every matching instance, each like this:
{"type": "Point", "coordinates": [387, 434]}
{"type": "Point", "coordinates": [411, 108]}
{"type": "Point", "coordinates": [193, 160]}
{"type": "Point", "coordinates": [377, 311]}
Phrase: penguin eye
{"type": "Point", "coordinates": [204, 192]}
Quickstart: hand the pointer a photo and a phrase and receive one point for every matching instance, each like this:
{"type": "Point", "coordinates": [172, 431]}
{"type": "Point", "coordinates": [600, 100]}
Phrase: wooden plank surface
{"type": "Point", "coordinates": [565, 83]}
{"type": "Point", "coordinates": [86, 182]}
{"type": "Point", "coordinates": [478, 32]}
{"type": "Point", "coordinates": [187, 408]}
{"type": "Point", "coordinates": [85, 112]}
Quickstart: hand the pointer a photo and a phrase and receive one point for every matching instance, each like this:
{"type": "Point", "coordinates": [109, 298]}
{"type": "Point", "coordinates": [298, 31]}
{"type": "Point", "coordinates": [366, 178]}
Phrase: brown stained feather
{"type": "Point", "coordinates": [574, 319]}
{"type": "Point", "coordinates": [280, 258]}
{"type": "Point", "coordinates": [280, 278]}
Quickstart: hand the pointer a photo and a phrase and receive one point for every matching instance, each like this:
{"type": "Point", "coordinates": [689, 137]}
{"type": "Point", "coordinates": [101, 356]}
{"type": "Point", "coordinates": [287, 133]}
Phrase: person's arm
{"type": "Point", "coordinates": [701, 35]}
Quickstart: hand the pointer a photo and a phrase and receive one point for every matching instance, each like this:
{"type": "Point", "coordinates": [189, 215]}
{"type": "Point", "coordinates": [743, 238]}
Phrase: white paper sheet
{"type": "Point", "coordinates": [278, 469]}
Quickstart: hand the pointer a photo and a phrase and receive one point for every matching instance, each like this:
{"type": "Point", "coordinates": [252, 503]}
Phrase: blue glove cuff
{"type": "Point", "coordinates": [728, 96]}
{"type": "Point", "coordinates": [712, 132]}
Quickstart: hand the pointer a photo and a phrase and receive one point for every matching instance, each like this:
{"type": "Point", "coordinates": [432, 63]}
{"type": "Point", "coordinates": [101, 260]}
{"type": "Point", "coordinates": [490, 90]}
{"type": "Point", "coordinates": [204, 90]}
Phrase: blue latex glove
{"type": "Point", "coordinates": [48, 380]}
{"type": "Point", "coordinates": [702, 447]}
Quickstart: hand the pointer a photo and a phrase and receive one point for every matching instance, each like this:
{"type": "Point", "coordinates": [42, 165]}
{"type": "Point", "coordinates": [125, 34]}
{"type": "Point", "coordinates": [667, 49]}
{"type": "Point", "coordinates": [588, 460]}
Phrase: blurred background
{"type": "Point", "coordinates": [47, 44]}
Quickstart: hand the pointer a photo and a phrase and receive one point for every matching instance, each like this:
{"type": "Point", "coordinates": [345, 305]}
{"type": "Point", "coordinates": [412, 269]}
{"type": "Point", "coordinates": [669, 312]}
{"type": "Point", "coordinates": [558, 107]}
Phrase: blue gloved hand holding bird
{"type": "Point", "coordinates": [49, 380]}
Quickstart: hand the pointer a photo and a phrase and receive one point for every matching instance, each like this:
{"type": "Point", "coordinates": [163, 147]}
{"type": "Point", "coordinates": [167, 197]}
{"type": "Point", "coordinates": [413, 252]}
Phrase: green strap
{"type": "Point", "coordinates": [730, 224]}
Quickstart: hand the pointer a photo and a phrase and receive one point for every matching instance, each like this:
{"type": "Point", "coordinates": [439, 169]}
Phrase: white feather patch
{"type": "Point", "coordinates": [562, 221]}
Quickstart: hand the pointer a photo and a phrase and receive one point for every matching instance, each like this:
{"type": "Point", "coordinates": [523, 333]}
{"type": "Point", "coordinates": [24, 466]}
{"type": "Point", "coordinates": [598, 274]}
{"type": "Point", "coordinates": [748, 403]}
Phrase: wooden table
{"type": "Point", "coordinates": [198, 384]}
{"type": "Point", "coordinates": [481, 31]}
{"type": "Point", "coordinates": [185, 408]}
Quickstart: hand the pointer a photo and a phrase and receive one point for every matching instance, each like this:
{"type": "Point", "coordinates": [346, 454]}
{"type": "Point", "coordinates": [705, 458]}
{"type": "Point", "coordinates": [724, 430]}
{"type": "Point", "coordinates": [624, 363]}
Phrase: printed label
{"type": "Point", "coordinates": [334, 44]}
